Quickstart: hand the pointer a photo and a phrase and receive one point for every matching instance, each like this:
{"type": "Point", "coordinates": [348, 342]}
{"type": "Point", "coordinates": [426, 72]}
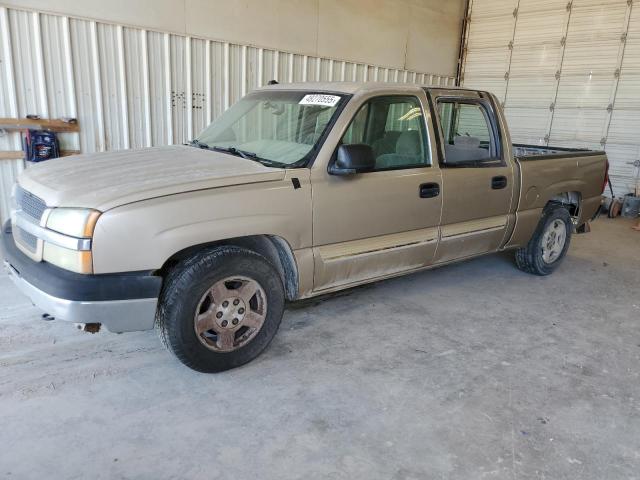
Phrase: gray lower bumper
{"type": "Point", "coordinates": [117, 315]}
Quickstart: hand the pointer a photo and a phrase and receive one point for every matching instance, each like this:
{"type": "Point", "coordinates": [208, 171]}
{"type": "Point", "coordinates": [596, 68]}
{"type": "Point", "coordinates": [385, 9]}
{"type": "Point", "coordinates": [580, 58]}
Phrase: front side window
{"type": "Point", "coordinates": [278, 128]}
{"type": "Point", "coordinates": [468, 134]}
{"type": "Point", "coordinates": [394, 128]}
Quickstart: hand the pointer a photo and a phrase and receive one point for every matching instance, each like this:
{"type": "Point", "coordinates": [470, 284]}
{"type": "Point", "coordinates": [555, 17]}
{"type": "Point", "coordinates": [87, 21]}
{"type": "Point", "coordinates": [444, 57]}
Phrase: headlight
{"type": "Point", "coordinates": [75, 222]}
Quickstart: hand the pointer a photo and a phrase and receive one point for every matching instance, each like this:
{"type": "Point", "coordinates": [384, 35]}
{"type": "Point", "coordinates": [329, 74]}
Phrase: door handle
{"type": "Point", "coordinates": [498, 183]}
{"type": "Point", "coordinates": [429, 190]}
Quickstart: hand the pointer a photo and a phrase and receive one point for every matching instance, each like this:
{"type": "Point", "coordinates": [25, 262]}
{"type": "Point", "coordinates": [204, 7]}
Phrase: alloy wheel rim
{"type": "Point", "coordinates": [553, 240]}
{"type": "Point", "coordinates": [230, 314]}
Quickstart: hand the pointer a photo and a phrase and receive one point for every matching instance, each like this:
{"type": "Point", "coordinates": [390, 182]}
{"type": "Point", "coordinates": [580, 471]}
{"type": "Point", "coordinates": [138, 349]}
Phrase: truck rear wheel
{"type": "Point", "coordinates": [549, 243]}
{"type": "Point", "coordinates": [220, 308]}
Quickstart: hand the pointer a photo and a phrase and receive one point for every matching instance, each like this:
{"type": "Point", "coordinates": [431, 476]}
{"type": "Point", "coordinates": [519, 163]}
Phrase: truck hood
{"type": "Point", "coordinates": [107, 180]}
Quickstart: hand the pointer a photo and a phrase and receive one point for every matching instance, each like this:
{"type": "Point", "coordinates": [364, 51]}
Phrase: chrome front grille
{"type": "Point", "coordinates": [31, 208]}
{"type": "Point", "coordinates": [30, 204]}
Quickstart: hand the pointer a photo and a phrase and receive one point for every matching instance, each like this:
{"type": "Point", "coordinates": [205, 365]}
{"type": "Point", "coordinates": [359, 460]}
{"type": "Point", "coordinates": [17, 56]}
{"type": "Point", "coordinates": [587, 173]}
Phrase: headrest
{"type": "Point", "coordinates": [466, 141]}
{"type": "Point", "coordinates": [408, 143]}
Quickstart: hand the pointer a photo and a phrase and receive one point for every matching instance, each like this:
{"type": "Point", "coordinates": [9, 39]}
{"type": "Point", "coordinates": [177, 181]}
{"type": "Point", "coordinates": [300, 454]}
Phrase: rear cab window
{"type": "Point", "coordinates": [469, 133]}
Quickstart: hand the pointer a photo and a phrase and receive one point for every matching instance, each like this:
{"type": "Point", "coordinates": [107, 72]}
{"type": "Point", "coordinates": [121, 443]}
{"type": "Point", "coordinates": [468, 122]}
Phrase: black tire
{"type": "Point", "coordinates": [183, 291]}
{"type": "Point", "coordinates": [530, 258]}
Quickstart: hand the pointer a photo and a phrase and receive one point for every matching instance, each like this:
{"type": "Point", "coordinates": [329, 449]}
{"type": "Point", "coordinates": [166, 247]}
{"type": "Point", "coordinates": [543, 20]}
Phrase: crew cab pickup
{"type": "Point", "coordinates": [296, 191]}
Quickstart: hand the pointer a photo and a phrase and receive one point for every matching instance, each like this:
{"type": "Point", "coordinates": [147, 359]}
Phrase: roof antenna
{"type": "Point", "coordinates": [272, 82]}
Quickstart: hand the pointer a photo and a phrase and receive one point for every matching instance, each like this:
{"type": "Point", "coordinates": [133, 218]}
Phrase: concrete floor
{"type": "Point", "coordinates": [472, 371]}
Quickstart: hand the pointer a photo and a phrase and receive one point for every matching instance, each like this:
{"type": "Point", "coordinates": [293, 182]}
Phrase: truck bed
{"type": "Point", "coordinates": [577, 173]}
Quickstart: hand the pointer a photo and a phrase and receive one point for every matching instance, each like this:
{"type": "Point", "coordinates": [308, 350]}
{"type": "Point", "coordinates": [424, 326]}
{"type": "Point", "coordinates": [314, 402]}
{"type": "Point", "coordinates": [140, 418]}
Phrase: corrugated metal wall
{"type": "Point", "coordinates": [132, 88]}
{"type": "Point", "coordinates": [568, 73]}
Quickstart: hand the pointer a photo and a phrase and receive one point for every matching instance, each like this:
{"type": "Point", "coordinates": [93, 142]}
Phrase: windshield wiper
{"type": "Point", "coordinates": [250, 156]}
{"type": "Point", "coordinates": [235, 151]}
{"type": "Point", "coordinates": [198, 144]}
{"type": "Point", "coordinates": [240, 153]}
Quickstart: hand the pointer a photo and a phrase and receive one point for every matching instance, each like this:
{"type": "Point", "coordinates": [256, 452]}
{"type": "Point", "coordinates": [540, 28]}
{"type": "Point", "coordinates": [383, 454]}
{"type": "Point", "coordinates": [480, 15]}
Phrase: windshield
{"type": "Point", "coordinates": [277, 128]}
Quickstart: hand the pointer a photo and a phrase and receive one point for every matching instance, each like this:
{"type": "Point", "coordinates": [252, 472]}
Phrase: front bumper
{"type": "Point", "coordinates": [122, 302]}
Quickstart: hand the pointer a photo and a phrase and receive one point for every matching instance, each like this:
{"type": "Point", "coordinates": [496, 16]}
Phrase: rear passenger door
{"type": "Point", "coordinates": [477, 176]}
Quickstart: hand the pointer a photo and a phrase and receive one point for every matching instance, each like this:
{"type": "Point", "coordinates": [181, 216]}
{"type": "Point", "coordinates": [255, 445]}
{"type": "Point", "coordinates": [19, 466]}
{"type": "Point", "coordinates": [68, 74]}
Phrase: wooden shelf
{"type": "Point", "coordinates": [40, 124]}
{"type": "Point", "coordinates": [68, 153]}
{"type": "Point", "coordinates": [15, 155]}
{"type": "Point", "coordinates": [19, 154]}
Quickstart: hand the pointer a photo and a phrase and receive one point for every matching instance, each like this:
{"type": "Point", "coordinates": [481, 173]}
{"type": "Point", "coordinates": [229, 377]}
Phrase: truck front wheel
{"type": "Point", "coordinates": [549, 243]}
{"type": "Point", "coordinates": [220, 308]}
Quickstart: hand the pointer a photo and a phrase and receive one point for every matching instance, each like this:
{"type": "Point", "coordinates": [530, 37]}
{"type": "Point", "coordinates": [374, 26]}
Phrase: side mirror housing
{"type": "Point", "coordinates": [351, 159]}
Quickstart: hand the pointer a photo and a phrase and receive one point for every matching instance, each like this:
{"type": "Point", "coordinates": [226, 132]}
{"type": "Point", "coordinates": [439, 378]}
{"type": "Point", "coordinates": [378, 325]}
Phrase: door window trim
{"type": "Point", "coordinates": [490, 115]}
{"type": "Point", "coordinates": [423, 125]}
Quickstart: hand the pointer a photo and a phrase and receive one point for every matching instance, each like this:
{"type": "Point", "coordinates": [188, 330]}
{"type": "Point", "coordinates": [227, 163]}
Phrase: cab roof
{"type": "Point", "coordinates": [352, 87]}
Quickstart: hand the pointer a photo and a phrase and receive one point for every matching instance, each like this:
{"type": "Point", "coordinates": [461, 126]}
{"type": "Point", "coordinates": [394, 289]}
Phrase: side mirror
{"type": "Point", "coordinates": [352, 159]}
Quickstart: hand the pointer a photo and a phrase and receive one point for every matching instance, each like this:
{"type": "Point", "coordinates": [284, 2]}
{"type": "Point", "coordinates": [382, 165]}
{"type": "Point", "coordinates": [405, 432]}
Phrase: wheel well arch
{"type": "Point", "coordinates": [572, 201]}
{"type": "Point", "coordinates": [274, 248]}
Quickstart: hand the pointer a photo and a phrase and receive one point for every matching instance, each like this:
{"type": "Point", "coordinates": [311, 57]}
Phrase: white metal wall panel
{"type": "Point", "coordinates": [58, 72]}
{"type": "Point", "coordinates": [491, 29]}
{"type": "Point", "coordinates": [572, 77]}
{"type": "Point", "coordinates": [88, 87]}
{"type": "Point", "coordinates": [588, 72]}
{"type": "Point", "coordinates": [8, 93]}
{"type": "Point", "coordinates": [131, 88]}
{"type": "Point", "coordinates": [136, 87]}
{"type": "Point", "coordinates": [623, 139]}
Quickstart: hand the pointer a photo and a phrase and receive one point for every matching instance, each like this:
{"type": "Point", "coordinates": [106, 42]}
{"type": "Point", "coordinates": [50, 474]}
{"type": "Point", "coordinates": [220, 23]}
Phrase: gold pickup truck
{"type": "Point", "coordinates": [297, 190]}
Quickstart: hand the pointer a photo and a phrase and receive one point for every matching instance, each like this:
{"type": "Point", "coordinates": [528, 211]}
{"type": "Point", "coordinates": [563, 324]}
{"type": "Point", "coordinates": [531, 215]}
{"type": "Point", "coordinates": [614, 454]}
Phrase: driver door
{"type": "Point", "coordinates": [379, 223]}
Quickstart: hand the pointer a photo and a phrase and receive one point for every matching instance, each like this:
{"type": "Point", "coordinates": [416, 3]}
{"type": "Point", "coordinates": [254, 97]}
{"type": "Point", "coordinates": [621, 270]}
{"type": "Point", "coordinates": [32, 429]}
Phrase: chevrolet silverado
{"type": "Point", "coordinates": [295, 191]}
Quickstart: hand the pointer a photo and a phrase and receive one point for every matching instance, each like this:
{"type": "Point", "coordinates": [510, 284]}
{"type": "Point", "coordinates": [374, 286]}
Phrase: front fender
{"type": "Point", "coordinates": [143, 235]}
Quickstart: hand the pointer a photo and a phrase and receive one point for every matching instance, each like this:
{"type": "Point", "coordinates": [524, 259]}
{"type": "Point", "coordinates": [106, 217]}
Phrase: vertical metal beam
{"type": "Point", "coordinates": [318, 68]}
{"type": "Point", "coordinates": [207, 79]}
{"type": "Point", "coordinates": [97, 87]}
{"type": "Point", "coordinates": [227, 77]}
{"type": "Point", "coordinates": [511, 45]}
{"type": "Point", "coordinates": [290, 78]}
{"type": "Point", "coordinates": [167, 81]}
{"type": "Point", "coordinates": [70, 85]}
{"type": "Point", "coordinates": [7, 54]}
{"type": "Point", "coordinates": [188, 74]}
{"type": "Point", "coordinates": [261, 67]}
{"type": "Point", "coordinates": [343, 71]}
{"type": "Point", "coordinates": [243, 73]}
{"type": "Point", "coordinates": [464, 43]}
{"type": "Point", "coordinates": [305, 66]}
{"type": "Point", "coordinates": [8, 75]}
{"type": "Point", "coordinates": [276, 66]}
{"type": "Point", "coordinates": [614, 88]}
{"type": "Point", "coordinates": [39, 65]}
{"type": "Point", "coordinates": [124, 104]}
{"type": "Point", "coordinates": [146, 91]}
{"type": "Point", "coordinates": [563, 44]}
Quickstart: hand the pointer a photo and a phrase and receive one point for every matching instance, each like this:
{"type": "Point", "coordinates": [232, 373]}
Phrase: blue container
{"type": "Point", "coordinates": [631, 206]}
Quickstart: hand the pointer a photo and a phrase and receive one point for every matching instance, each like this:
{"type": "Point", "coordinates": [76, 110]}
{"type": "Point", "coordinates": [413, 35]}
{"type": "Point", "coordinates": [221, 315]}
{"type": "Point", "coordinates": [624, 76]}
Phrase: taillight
{"type": "Point", "coordinates": [606, 175]}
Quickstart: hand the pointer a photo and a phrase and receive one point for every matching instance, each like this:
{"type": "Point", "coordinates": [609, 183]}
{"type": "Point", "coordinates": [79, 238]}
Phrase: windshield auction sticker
{"type": "Point", "coordinates": [320, 99]}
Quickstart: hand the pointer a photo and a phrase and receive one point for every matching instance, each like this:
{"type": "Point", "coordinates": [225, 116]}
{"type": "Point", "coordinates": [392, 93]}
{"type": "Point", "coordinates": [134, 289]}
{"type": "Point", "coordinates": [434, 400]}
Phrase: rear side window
{"type": "Point", "coordinates": [468, 133]}
{"type": "Point", "coordinates": [394, 128]}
